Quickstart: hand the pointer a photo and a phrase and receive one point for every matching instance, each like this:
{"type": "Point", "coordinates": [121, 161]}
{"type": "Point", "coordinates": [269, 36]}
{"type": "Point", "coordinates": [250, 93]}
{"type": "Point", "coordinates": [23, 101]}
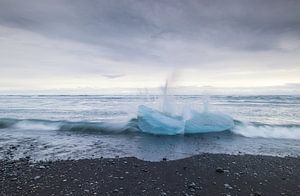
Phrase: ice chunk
{"type": "Point", "coordinates": [156, 122]}
{"type": "Point", "coordinates": [202, 122]}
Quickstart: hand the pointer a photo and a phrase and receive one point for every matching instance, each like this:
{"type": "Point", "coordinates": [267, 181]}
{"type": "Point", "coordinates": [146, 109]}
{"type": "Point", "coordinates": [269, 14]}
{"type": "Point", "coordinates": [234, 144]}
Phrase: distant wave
{"type": "Point", "coordinates": [253, 130]}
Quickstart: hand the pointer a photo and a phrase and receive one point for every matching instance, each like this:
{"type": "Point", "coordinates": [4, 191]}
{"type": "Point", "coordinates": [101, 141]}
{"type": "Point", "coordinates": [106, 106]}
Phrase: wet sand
{"type": "Point", "coordinates": [205, 174]}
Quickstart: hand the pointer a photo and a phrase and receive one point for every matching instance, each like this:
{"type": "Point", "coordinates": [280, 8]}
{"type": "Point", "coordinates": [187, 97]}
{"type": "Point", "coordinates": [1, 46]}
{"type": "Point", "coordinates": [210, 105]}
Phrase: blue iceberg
{"type": "Point", "coordinates": [158, 123]}
{"type": "Point", "coordinates": [203, 122]}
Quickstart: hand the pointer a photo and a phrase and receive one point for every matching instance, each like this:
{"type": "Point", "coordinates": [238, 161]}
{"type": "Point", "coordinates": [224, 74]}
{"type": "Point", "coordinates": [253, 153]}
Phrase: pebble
{"type": "Point", "coordinates": [219, 170]}
{"type": "Point", "coordinates": [227, 186]}
{"type": "Point", "coordinates": [115, 190]}
{"type": "Point", "coordinates": [191, 185]}
{"type": "Point", "coordinates": [37, 177]}
{"type": "Point", "coordinates": [257, 194]}
{"type": "Point", "coordinates": [237, 174]}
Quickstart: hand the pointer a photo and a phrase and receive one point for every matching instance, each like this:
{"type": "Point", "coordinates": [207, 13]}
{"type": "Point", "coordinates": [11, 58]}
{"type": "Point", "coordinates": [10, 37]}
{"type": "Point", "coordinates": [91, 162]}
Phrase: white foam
{"type": "Point", "coordinates": [35, 125]}
{"type": "Point", "coordinates": [265, 131]}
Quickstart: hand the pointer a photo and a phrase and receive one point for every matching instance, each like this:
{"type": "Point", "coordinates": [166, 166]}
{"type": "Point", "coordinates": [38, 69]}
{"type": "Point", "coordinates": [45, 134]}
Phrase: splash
{"type": "Point", "coordinates": [168, 104]}
{"type": "Point", "coordinates": [167, 122]}
{"type": "Point", "coordinates": [206, 101]}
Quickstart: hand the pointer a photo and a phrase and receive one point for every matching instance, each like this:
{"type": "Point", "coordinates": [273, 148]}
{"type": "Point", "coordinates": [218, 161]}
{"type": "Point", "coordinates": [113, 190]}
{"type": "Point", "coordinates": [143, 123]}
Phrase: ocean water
{"type": "Point", "coordinates": [50, 127]}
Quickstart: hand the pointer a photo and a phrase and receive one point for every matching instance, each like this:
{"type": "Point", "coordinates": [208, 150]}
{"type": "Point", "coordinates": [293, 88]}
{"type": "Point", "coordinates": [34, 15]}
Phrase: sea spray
{"type": "Point", "coordinates": [168, 104]}
{"type": "Point", "coordinates": [188, 109]}
{"type": "Point", "coordinates": [164, 121]}
{"type": "Point", "coordinates": [206, 102]}
{"type": "Point", "coordinates": [168, 121]}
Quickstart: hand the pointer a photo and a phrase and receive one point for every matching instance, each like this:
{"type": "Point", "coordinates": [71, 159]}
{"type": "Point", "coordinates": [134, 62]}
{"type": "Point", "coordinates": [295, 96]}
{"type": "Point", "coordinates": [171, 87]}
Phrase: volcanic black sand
{"type": "Point", "coordinates": [206, 174]}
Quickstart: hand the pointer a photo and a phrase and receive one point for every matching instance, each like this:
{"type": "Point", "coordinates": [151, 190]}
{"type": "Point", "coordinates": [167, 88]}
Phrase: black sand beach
{"type": "Point", "coordinates": [206, 174]}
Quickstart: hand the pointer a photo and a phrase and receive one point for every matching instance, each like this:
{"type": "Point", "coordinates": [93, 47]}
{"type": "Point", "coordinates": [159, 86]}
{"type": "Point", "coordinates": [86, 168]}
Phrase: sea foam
{"type": "Point", "coordinates": [267, 131]}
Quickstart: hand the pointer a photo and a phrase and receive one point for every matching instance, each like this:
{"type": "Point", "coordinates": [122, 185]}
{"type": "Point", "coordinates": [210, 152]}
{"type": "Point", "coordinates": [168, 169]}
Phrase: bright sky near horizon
{"type": "Point", "coordinates": [75, 44]}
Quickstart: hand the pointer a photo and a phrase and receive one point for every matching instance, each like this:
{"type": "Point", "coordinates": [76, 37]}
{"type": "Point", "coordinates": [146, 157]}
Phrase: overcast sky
{"type": "Point", "coordinates": [78, 44]}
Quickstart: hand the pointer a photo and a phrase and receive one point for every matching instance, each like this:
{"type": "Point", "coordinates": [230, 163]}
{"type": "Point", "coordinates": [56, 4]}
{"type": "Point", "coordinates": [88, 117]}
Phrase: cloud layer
{"type": "Point", "coordinates": [135, 43]}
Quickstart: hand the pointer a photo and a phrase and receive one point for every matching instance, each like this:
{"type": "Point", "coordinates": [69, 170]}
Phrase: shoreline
{"type": "Point", "coordinates": [204, 174]}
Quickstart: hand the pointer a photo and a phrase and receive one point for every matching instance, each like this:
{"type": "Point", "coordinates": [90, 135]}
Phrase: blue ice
{"type": "Point", "coordinates": [156, 122]}
{"type": "Point", "coordinates": [203, 122]}
{"type": "Point", "coordinates": [159, 123]}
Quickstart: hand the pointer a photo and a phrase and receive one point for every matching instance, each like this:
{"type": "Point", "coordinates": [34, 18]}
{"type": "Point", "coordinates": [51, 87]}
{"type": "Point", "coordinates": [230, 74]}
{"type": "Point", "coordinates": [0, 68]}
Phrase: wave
{"type": "Point", "coordinates": [259, 130]}
{"type": "Point", "coordinates": [85, 127]}
{"type": "Point", "coordinates": [6, 123]}
{"type": "Point", "coordinates": [252, 130]}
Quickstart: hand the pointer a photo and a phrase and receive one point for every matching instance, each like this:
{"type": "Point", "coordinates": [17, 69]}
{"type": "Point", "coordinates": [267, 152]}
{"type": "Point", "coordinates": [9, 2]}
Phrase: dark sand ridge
{"type": "Point", "coordinates": [206, 174]}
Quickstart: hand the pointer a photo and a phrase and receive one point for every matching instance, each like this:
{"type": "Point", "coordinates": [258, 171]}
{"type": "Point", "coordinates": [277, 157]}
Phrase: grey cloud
{"type": "Point", "coordinates": [136, 31]}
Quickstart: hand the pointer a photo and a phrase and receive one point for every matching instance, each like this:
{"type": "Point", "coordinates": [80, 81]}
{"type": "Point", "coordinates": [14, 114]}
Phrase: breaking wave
{"type": "Point", "coordinates": [85, 127]}
{"type": "Point", "coordinates": [252, 130]}
{"type": "Point", "coordinates": [255, 130]}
